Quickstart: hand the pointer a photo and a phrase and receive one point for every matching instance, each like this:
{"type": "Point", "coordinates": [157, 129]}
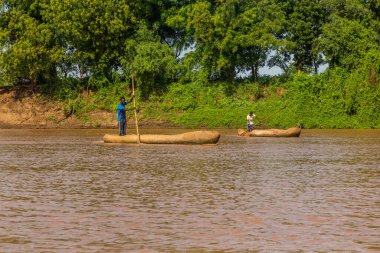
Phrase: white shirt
{"type": "Point", "coordinates": [250, 119]}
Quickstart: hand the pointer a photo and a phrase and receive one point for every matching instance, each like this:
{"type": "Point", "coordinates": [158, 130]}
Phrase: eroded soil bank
{"type": "Point", "coordinates": [26, 109]}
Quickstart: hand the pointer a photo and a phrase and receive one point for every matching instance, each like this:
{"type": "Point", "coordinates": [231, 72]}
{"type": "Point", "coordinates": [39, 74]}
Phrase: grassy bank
{"type": "Point", "coordinates": [335, 99]}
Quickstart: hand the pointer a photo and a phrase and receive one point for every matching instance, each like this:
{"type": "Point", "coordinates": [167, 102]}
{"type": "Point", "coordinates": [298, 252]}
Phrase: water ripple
{"type": "Point", "coordinates": [63, 190]}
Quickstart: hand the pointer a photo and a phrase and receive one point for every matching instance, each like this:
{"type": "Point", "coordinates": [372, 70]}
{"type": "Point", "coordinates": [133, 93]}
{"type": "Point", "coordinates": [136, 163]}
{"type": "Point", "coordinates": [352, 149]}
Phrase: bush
{"type": "Point", "coordinates": [335, 99]}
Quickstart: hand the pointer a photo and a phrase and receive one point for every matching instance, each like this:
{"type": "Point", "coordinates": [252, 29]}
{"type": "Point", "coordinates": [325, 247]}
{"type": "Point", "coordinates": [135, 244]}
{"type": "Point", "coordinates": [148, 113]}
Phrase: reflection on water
{"type": "Point", "coordinates": [66, 191]}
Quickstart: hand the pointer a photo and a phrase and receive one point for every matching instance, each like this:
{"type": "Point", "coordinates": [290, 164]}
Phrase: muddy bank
{"type": "Point", "coordinates": [26, 109]}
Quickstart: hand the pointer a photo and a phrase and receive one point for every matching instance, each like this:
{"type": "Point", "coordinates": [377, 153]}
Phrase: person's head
{"type": "Point", "coordinates": [122, 99]}
{"type": "Point", "coordinates": [251, 113]}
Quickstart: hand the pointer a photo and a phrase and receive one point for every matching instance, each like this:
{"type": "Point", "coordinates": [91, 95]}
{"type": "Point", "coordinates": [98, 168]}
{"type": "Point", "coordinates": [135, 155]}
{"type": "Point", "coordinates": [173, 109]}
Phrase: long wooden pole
{"type": "Point", "coordinates": [260, 121]}
{"type": "Point", "coordinates": [134, 108]}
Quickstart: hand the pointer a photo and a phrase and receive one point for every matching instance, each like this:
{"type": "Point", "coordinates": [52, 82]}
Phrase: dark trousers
{"type": "Point", "coordinates": [122, 127]}
{"type": "Point", "coordinates": [250, 127]}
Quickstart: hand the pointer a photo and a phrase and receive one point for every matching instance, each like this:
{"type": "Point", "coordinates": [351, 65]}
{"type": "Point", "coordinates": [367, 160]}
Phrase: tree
{"type": "Point", "coordinates": [228, 36]}
{"type": "Point", "coordinates": [256, 30]}
{"type": "Point", "coordinates": [346, 41]}
{"type": "Point", "coordinates": [152, 62]}
{"type": "Point", "coordinates": [304, 20]}
{"type": "Point", "coordinates": [92, 32]}
{"type": "Point", "coordinates": [349, 34]}
{"type": "Point", "coordinates": [28, 47]}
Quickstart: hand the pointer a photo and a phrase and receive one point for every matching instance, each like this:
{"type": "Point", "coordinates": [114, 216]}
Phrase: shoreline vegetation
{"type": "Point", "coordinates": [65, 64]}
{"type": "Point", "coordinates": [307, 101]}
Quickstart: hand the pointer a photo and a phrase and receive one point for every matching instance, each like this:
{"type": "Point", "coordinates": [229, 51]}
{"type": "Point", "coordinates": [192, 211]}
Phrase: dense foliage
{"type": "Point", "coordinates": [197, 62]}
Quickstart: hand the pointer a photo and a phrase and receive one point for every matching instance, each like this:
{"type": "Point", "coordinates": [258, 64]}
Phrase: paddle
{"type": "Point", "coordinates": [266, 118]}
{"type": "Point", "coordinates": [134, 108]}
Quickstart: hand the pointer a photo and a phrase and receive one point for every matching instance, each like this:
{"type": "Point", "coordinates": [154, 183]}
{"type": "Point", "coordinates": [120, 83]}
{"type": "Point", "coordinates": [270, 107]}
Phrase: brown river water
{"type": "Point", "coordinates": [66, 191]}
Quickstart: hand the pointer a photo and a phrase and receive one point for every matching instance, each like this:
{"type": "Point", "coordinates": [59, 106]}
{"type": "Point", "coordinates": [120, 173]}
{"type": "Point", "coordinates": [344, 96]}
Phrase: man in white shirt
{"type": "Point", "coordinates": [250, 117]}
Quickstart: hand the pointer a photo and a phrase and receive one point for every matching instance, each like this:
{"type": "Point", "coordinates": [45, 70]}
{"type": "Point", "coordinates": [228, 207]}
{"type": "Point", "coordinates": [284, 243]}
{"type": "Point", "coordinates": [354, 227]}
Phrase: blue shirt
{"type": "Point", "coordinates": [121, 111]}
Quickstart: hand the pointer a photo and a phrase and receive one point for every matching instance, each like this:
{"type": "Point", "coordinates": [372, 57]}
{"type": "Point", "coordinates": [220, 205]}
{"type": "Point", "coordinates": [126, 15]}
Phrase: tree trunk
{"type": "Point", "coordinates": [316, 67]}
{"type": "Point", "coordinates": [255, 73]}
{"type": "Point", "coordinates": [372, 76]}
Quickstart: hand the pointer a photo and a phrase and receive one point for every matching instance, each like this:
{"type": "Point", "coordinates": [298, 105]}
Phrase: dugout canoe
{"type": "Point", "coordinates": [196, 137]}
{"type": "Point", "coordinates": [290, 132]}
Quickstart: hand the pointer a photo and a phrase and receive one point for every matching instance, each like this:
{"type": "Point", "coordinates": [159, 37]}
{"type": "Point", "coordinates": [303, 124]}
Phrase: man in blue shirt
{"type": "Point", "coordinates": [121, 115]}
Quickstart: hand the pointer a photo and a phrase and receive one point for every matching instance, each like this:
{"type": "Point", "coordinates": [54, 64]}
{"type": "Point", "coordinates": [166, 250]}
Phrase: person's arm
{"type": "Point", "coordinates": [131, 99]}
{"type": "Point", "coordinates": [127, 102]}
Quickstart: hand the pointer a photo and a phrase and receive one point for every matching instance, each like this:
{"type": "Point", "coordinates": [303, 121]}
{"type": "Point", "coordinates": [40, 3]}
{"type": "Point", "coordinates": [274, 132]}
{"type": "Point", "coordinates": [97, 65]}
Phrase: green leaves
{"type": "Point", "coordinates": [152, 62]}
{"type": "Point", "coordinates": [345, 41]}
{"type": "Point", "coordinates": [92, 32]}
{"type": "Point", "coordinates": [29, 50]}
{"type": "Point", "coordinates": [229, 36]}
{"type": "Point", "coordinates": [304, 20]}
{"type": "Point", "coordinates": [192, 40]}
{"type": "Point", "coordinates": [349, 34]}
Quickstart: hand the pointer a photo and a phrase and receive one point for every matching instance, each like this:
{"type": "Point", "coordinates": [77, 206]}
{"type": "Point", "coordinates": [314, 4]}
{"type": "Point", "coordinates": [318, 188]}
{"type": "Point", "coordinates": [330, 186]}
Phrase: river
{"type": "Point", "coordinates": [66, 191]}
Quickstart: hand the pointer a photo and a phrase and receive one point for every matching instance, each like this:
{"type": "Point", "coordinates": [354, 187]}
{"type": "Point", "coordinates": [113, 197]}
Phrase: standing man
{"type": "Point", "coordinates": [121, 115]}
{"type": "Point", "coordinates": [250, 125]}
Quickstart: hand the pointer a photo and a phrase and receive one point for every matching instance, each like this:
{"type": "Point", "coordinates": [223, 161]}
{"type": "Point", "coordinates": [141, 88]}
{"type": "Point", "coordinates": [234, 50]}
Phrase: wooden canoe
{"type": "Point", "coordinates": [290, 132]}
{"type": "Point", "coordinates": [196, 137]}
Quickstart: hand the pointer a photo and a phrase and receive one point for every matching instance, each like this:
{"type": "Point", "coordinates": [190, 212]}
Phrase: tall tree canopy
{"type": "Point", "coordinates": [350, 33]}
{"type": "Point", "coordinates": [171, 40]}
{"type": "Point", "coordinates": [304, 20]}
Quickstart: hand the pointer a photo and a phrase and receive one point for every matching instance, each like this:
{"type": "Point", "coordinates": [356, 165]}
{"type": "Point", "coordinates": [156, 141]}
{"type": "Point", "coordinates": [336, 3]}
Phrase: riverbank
{"type": "Point", "coordinates": [25, 109]}
{"type": "Point", "coordinates": [325, 101]}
